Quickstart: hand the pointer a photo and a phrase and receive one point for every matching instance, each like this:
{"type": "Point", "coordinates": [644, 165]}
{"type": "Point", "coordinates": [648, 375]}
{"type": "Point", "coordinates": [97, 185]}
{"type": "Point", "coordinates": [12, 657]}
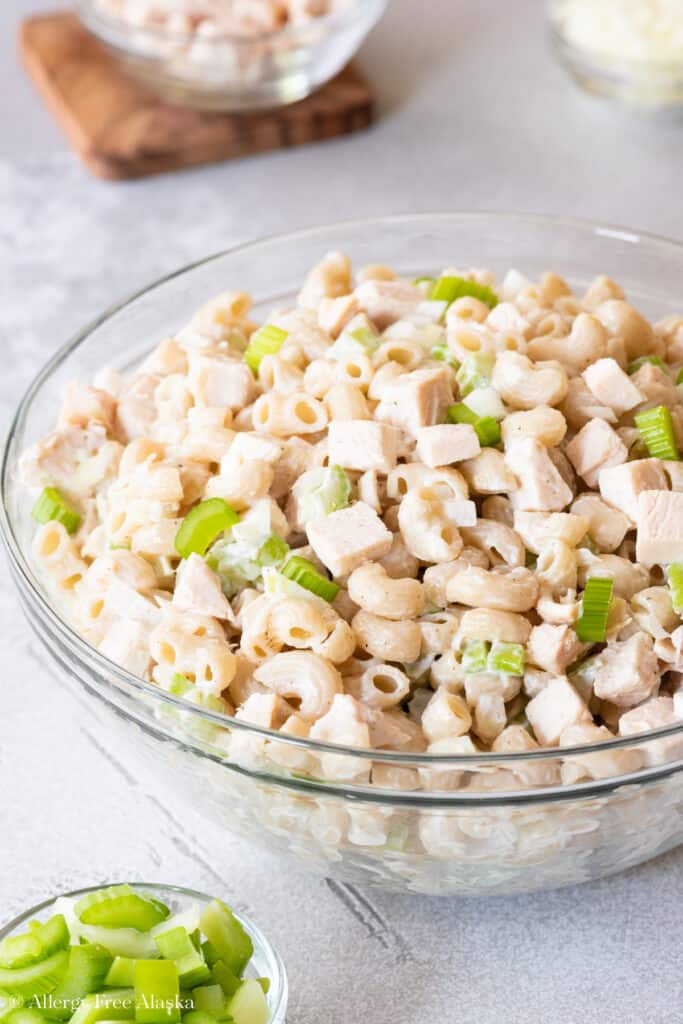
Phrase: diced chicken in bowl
{"type": "Point", "coordinates": [368, 521]}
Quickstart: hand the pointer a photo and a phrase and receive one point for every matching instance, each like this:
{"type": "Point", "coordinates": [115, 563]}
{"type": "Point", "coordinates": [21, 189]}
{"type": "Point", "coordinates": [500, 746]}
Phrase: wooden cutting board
{"type": "Point", "coordinates": [121, 129]}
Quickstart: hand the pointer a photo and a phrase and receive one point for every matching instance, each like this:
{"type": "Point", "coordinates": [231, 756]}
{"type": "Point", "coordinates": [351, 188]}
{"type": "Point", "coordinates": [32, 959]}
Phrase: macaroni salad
{"type": "Point", "coordinates": [439, 516]}
{"type": "Point", "coordinates": [214, 18]}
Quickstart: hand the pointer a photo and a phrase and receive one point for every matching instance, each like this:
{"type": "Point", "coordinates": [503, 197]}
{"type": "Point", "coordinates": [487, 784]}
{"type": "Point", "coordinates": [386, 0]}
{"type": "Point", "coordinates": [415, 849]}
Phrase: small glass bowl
{"type": "Point", "coordinates": [645, 86]}
{"type": "Point", "coordinates": [265, 963]}
{"type": "Point", "coordinates": [235, 72]}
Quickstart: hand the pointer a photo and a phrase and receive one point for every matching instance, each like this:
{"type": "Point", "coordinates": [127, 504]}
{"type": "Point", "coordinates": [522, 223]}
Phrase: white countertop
{"type": "Point", "coordinates": [475, 114]}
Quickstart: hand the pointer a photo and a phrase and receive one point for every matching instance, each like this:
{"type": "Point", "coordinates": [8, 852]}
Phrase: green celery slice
{"type": "Point", "coordinates": [86, 972]}
{"type": "Point", "coordinates": [177, 945]}
{"type": "Point", "coordinates": [227, 979]}
{"type": "Point", "coordinates": [657, 431]}
{"type": "Point", "coordinates": [642, 361]}
{"type": "Point", "coordinates": [307, 576]}
{"type": "Point", "coordinates": [475, 372]}
{"type": "Point", "coordinates": [8, 1004]}
{"type": "Point", "coordinates": [204, 1017]}
{"type": "Point", "coordinates": [157, 992]}
{"type": "Point", "coordinates": [507, 658]}
{"type": "Point", "coordinates": [120, 906]}
{"type": "Point", "coordinates": [36, 979]}
{"type": "Point", "coordinates": [475, 656]}
{"type": "Point", "coordinates": [121, 974]}
{"type": "Point", "coordinates": [224, 931]}
{"type": "Point", "coordinates": [25, 1015]}
{"type": "Point", "coordinates": [121, 941]}
{"type": "Point", "coordinates": [487, 429]}
{"type": "Point", "coordinates": [265, 342]}
{"type": "Point", "coordinates": [248, 1005]}
{"type": "Point", "coordinates": [675, 577]}
{"type": "Point", "coordinates": [51, 505]}
{"type": "Point", "coordinates": [202, 525]}
{"type": "Point", "coordinates": [449, 288]}
{"type": "Point", "coordinates": [210, 998]}
{"type": "Point", "coordinates": [39, 942]}
{"type": "Point", "coordinates": [265, 985]}
{"type": "Point", "coordinates": [591, 626]}
{"type": "Point", "coordinates": [116, 1004]}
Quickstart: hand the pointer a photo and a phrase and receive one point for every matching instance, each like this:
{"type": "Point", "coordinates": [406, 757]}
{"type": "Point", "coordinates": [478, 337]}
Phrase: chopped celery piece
{"type": "Point", "coordinates": [366, 338]}
{"type": "Point", "coordinates": [273, 551]}
{"type": "Point", "coordinates": [475, 372]}
{"type": "Point", "coordinates": [180, 685]}
{"type": "Point", "coordinates": [202, 525]}
{"type": "Point", "coordinates": [507, 658]}
{"type": "Point", "coordinates": [265, 985]}
{"type": "Point", "coordinates": [248, 1005]}
{"type": "Point", "coordinates": [227, 979]}
{"type": "Point", "coordinates": [121, 974]}
{"type": "Point", "coordinates": [26, 1015]}
{"type": "Point", "coordinates": [307, 576]}
{"type": "Point", "coordinates": [637, 363]}
{"type": "Point", "coordinates": [36, 979]}
{"type": "Point", "coordinates": [591, 626]}
{"type": "Point", "coordinates": [210, 953]}
{"type": "Point", "coordinates": [265, 342]}
{"type": "Point", "coordinates": [204, 1017]}
{"type": "Point", "coordinates": [320, 492]}
{"type": "Point", "coordinates": [120, 941]}
{"type": "Point", "coordinates": [86, 972]}
{"type": "Point", "coordinates": [157, 992]}
{"type": "Point", "coordinates": [51, 505]}
{"type": "Point", "coordinates": [487, 429]}
{"type": "Point", "coordinates": [119, 906]}
{"type": "Point", "coordinates": [431, 281]}
{"type": "Point", "coordinates": [116, 1004]}
{"type": "Point", "coordinates": [8, 1004]}
{"type": "Point", "coordinates": [210, 998]}
{"type": "Point", "coordinates": [679, 376]}
{"type": "Point", "coordinates": [177, 945]}
{"type": "Point", "coordinates": [675, 575]}
{"type": "Point", "coordinates": [475, 656]}
{"type": "Point", "coordinates": [443, 354]}
{"type": "Point", "coordinates": [449, 288]}
{"type": "Point", "coordinates": [227, 935]}
{"type": "Point", "coordinates": [656, 429]}
{"type": "Point", "coordinates": [39, 942]}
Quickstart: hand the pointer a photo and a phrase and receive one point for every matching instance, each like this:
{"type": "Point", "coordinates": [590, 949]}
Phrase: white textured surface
{"type": "Point", "coordinates": [475, 115]}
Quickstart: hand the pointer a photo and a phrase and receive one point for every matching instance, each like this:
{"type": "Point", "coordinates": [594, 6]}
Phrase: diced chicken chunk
{"type": "Point", "coordinates": [627, 672]}
{"type": "Point", "coordinates": [127, 644]}
{"type": "Point", "coordinates": [417, 399]}
{"type": "Point", "coordinates": [621, 486]}
{"type": "Point", "coordinates": [542, 488]}
{"type": "Point", "coordinates": [198, 590]}
{"type": "Point", "coordinates": [63, 456]}
{"type": "Point", "coordinates": [385, 302]}
{"type": "Point", "coordinates": [554, 709]}
{"type": "Point", "coordinates": [536, 528]}
{"type": "Point", "coordinates": [595, 447]}
{"type": "Point", "coordinates": [488, 473]}
{"type": "Point", "coordinates": [348, 538]}
{"type": "Point", "coordinates": [655, 713]}
{"type": "Point", "coordinates": [612, 386]}
{"type": "Point", "coordinates": [84, 405]}
{"type": "Point", "coordinates": [660, 527]}
{"type": "Point", "coordinates": [656, 385]}
{"type": "Point", "coordinates": [363, 445]}
{"type": "Point", "coordinates": [553, 648]}
{"type": "Point", "coordinates": [607, 527]}
{"type": "Point", "coordinates": [334, 314]}
{"type": "Point", "coordinates": [445, 443]}
{"type": "Point", "coordinates": [216, 380]}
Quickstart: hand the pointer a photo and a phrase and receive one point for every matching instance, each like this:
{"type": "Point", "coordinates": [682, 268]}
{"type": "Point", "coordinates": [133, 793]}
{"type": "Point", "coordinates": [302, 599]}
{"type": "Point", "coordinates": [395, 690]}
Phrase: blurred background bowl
{"type": "Point", "coordinates": [235, 72]}
{"type": "Point", "coordinates": [476, 824]}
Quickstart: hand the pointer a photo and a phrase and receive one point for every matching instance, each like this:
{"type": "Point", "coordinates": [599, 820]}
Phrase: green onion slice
{"type": "Point", "coordinates": [591, 627]}
{"type": "Point", "coordinates": [475, 656]}
{"type": "Point", "coordinates": [449, 288]}
{"type": "Point", "coordinates": [202, 525]}
{"type": "Point", "coordinates": [656, 430]}
{"type": "Point", "coordinates": [507, 658]}
{"type": "Point", "coordinates": [675, 575]}
{"type": "Point", "coordinates": [641, 361]}
{"type": "Point", "coordinates": [487, 429]}
{"type": "Point", "coordinates": [303, 572]}
{"type": "Point", "coordinates": [51, 505]}
{"type": "Point", "coordinates": [265, 342]}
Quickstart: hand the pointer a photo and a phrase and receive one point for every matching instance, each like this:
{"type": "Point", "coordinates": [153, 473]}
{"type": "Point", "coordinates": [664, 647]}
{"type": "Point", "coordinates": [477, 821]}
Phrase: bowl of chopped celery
{"type": "Point", "coordinates": [449, 761]}
{"type": "Point", "coordinates": [149, 954]}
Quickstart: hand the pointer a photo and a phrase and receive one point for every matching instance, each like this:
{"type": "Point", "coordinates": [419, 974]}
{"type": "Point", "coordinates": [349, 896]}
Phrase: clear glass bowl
{"type": "Point", "coordinates": [235, 72]}
{"type": "Point", "coordinates": [265, 963]}
{"type": "Point", "coordinates": [469, 825]}
{"type": "Point", "coordinates": [643, 85]}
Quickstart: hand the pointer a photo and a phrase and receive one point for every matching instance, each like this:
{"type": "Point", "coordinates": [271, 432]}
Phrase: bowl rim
{"type": "Point", "coordinates": [89, 13]}
{"type": "Point", "coordinates": [136, 687]}
{"type": "Point", "coordinates": [279, 983]}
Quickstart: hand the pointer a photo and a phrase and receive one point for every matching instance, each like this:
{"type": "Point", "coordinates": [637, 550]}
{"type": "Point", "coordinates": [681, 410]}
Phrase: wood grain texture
{"type": "Point", "coordinates": [121, 129]}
